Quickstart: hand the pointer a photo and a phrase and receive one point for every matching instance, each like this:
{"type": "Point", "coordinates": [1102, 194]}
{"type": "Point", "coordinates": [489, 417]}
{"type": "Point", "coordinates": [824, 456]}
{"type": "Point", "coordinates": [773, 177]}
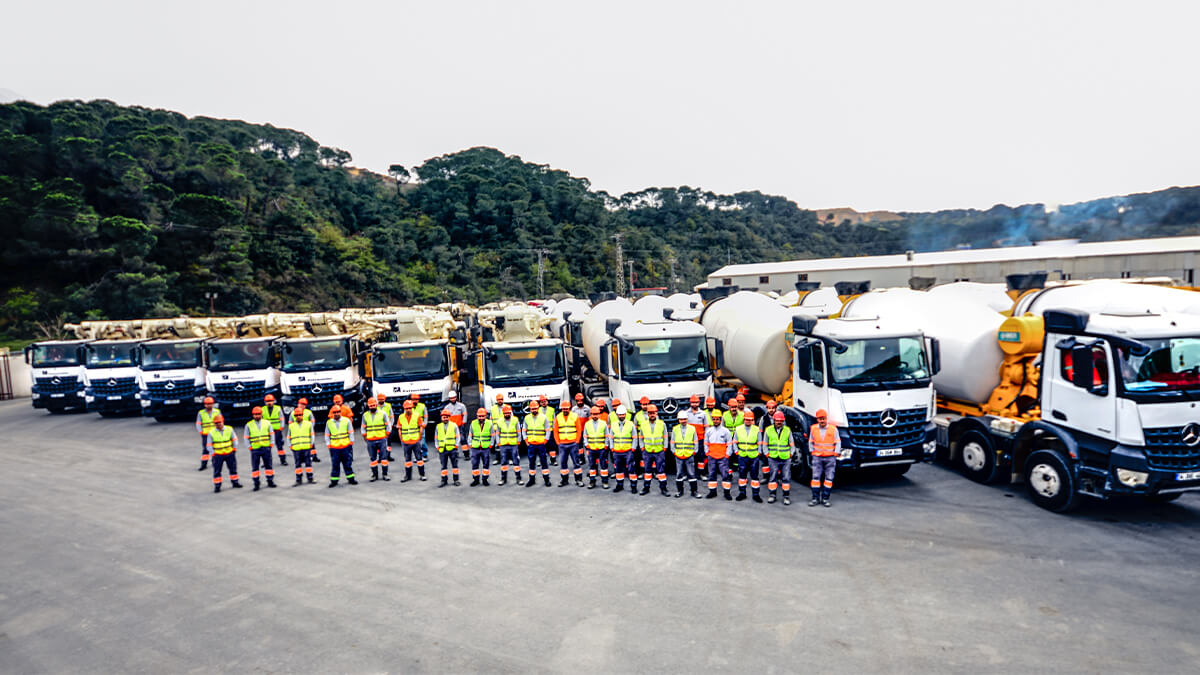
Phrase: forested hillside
{"type": "Point", "coordinates": [122, 212]}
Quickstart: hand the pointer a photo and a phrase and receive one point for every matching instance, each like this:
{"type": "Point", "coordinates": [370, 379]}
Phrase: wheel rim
{"type": "Point", "coordinates": [1045, 481]}
{"type": "Point", "coordinates": [974, 456]}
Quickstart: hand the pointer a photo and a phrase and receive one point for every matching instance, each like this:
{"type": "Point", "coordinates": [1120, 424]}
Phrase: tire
{"type": "Point", "coordinates": [1050, 481]}
{"type": "Point", "coordinates": [802, 471]}
{"type": "Point", "coordinates": [976, 458]}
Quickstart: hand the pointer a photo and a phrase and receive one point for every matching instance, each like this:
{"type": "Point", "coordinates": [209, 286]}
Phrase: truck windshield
{"type": "Point", "coordinates": [404, 364]}
{"type": "Point", "coordinates": [250, 355]}
{"type": "Point", "coordinates": [525, 365]}
{"type": "Point", "coordinates": [55, 356]}
{"type": "Point", "coordinates": [316, 355]}
{"type": "Point", "coordinates": [876, 360]}
{"type": "Point", "coordinates": [685, 356]}
{"type": "Point", "coordinates": [110, 356]}
{"type": "Point", "coordinates": [170, 355]}
{"type": "Point", "coordinates": [1172, 364]}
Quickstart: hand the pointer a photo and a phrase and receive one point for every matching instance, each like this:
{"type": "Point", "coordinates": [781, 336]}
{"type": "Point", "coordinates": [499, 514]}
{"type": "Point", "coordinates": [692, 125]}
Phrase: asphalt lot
{"type": "Point", "coordinates": [118, 557]}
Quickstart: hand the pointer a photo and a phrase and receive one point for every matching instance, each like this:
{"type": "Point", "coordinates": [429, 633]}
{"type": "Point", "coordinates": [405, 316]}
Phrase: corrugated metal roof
{"type": "Point", "coordinates": [1050, 249]}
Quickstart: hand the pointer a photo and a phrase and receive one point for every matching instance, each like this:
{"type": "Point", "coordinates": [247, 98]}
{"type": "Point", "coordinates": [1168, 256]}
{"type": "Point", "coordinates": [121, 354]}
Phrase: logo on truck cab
{"type": "Point", "coordinates": [1190, 434]}
{"type": "Point", "coordinates": [888, 418]}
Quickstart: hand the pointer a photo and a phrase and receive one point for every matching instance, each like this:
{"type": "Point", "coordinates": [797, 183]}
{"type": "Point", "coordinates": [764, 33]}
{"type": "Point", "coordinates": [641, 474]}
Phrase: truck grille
{"type": "Point", "coordinates": [320, 398]}
{"type": "Point", "coordinates": [251, 392]}
{"type": "Point", "coordinates": [1165, 449]}
{"type": "Point", "coordinates": [114, 386]}
{"type": "Point", "coordinates": [64, 385]}
{"type": "Point", "coordinates": [171, 390]}
{"type": "Point", "coordinates": [867, 430]}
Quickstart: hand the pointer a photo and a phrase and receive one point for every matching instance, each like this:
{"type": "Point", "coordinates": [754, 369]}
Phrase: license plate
{"type": "Point", "coordinates": [890, 452]}
{"type": "Point", "coordinates": [244, 404]}
{"type": "Point", "coordinates": [114, 398]}
{"type": "Point", "coordinates": [57, 395]}
{"type": "Point", "coordinates": [1188, 475]}
{"type": "Point", "coordinates": [320, 407]}
{"type": "Point", "coordinates": [173, 401]}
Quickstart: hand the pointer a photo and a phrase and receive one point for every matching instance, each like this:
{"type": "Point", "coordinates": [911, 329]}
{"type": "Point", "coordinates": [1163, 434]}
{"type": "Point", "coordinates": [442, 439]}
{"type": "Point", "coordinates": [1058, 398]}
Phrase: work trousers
{"type": "Point", "coordinates": [623, 464]}
{"type": "Point", "coordinates": [780, 473]}
{"type": "Point", "coordinates": [377, 454]}
{"type": "Point", "coordinates": [538, 451]}
{"type": "Point", "coordinates": [341, 458]}
{"type": "Point", "coordinates": [412, 453]}
{"type": "Point", "coordinates": [718, 469]}
{"type": "Point", "coordinates": [510, 455]}
{"type": "Point", "coordinates": [685, 468]}
{"type": "Point", "coordinates": [654, 465]}
{"type": "Point", "coordinates": [749, 469]}
{"type": "Point", "coordinates": [219, 461]}
{"type": "Point", "coordinates": [449, 458]}
{"type": "Point", "coordinates": [279, 444]}
{"type": "Point", "coordinates": [569, 452]}
{"type": "Point", "coordinates": [823, 469]}
{"type": "Point", "coordinates": [203, 447]}
{"type": "Point", "coordinates": [598, 463]}
{"type": "Point", "coordinates": [303, 460]}
{"type": "Point", "coordinates": [261, 456]}
{"type": "Point", "coordinates": [481, 459]}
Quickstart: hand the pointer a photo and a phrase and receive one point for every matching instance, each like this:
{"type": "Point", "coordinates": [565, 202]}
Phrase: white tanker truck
{"type": "Point", "coordinates": [873, 376]}
{"type": "Point", "coordinates": [516, 356]}
{"type": "Point", "coordinates": [1098, 395]}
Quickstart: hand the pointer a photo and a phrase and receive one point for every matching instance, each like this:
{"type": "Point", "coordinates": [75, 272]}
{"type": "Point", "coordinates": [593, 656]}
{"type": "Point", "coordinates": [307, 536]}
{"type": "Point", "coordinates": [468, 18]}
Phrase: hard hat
{"type": "Point", "coordinates": [500, 397]}
{"type": "Point", "coordinates": [481, 413]}
{"type": "Point", "coordinates": [651, 408]}
{"type": "Point", "coordinates": [256, 411]}
{"type": "Point", "coordinates": [218, 418]}
{"type": "Point", "coordinates": [382, 398]}
{"type": "Point", "coordinates": [710, 401]}
{"type": "Point", "coordinates": [741, 398]}
{"type": "Point", "coordinates": [506, 408]}
{"type": "Point", "coordinates": [335, 409]}
{"type": "Point", "coordinates": [543, 399]}
{"type": "Point", "coordinates": [621, 410]}
{"type": "Point", "coordinates": [446, 414]}
{"type": "Point", "coordinates": [644, 400]}
{"type": "Point", "coordinates": [616, 402]}
{"type": "Point", "coordinates": [595, 410]}
{"type": "Point", "coordinates": [415, 396]}
{"type": "Point", "coordinates": [534, 405]}
{"type": "Point", "coordinates": [453, 394]}
{"type": "Point", "coordinates": [565, 405]}
{"type": "Point", "coordinates": [578, 397]}
{"type": "Point", "coordinates": [371, 403]}
{"type": "Point", "coordinates": [747, 417]}
{"type": "Point", "coordinates": [600, 402]}
{"type": "Point", "coordinates": [302, 401]}
{"type": "Point", "coordinates": [408, 405]}
{"type": "Point", "coordinates": [269, 398]}
{"type": "Point", "coordinates": [694, 398]}
{"type": "Point", "coordinates": [779, 416]}
{"type": "Point", "coordinates": [821, 414]}
{"type": "Point", "coordinates": [346, 410]}
{"type": "Point", "coordinates": [337, 398]}
{"type": "Point", "coordinates": [299, 412]}
{"type": "Point", "coordinates": [771, 403]}
{"type": "Point", "coordinates": [682, 415]}
{"type": "Point", "coordinates": [732, 400]}
{"type": "Point", "coordinates": [209, 399]}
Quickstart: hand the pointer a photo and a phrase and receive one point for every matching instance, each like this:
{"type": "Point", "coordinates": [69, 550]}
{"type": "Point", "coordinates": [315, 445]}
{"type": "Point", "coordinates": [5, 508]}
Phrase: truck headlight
{"type": "Point", "coordinates": [845, 454]}
{"type": "Point", "coordinates": [1132, 478]}
{"type": "Point", "coordinates": [929, 447]}
{"type": "Point", "coordinates": [198, 399]}
{"type": "Point", "coordinates": [89, 398]}
{"type": "Point", "coordinates": [145, 403]}
{"type": "Point", "coordinates": [34, 394]}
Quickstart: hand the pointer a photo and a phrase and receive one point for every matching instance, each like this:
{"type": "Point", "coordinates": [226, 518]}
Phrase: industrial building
{"type": "Point", "coordinates": [1174, 257]}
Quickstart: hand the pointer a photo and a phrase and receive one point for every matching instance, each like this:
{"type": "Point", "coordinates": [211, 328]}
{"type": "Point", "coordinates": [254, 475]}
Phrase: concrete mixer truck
{"type": "Point", "coordinates": [873, 376]}
{"type": "Point", "coordinates": [1100, 397]}
{"type": "Point", "coordinates": [634, 354]}
{"type": "Point", "coordinates": [171, 368]}
{"type": "Point", "coordinates": [56, 379]}
{"type": "Point", "coordinates": [420, 354]}
{"type": "Point", "coordinates": [110, 365]}
{"type": "Point", "coordinates": [515, 356]}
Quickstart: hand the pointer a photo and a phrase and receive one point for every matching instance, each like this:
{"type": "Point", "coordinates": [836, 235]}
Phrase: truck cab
{"type": "Point", "coordinates": [665, 361]}
{"type": "Point", "coordinates": [171, 377]}
{"type": "Point", "coordinates": [241, 372]}
{"type": "Point", "coordinates": [318, 368]}
{"type": "Point", "coordinates": [428, 368]}
{"type": "Point", "coordinates": [874, 379]}
{"type": "Point", "coordinates": [111, 376]}
{"type": "Point", "coordinates": [56, 374]}
{"type": "Point", "coordinates": [522, 371]}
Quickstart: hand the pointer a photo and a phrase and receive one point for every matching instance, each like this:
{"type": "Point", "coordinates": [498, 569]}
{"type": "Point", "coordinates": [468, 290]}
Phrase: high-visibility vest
{"type": "Point", "coordinates": [410, 428]}
{"type": "Point", "coordinates": [258, 434]}
{"type": "Point", "coordinates": [308, 416]}
{"type": "Point", "coordinates": [622, 435]}
{"type": "Point", "coordinates": [824, 444]}
{"type": "Point", "coordinates": [640, 417]}
{"type": "Point", "coordinates": [510, 430]}
{"type": "Point", "coordinates": [206, 420]}
{"type": "Point", "coordinates": [595, 434]}
{"type": "Point", "coordinates": [339, 432]}
{"type": "Point", "coordinates": [497, 413]}
{"type": "Point", "coordinates": [567, 428]}
{"type": "Point", "coordinates": [708, 415]}
{"type": "Point", "coordinates": [300, 435]}
{"type": "Point", "coordinates": [654, 435]}
{"type": "Point", "coordinates": [684, 437]}
{"type": "Point", "coordinates": [535, 428]}
{"type": "Point", "coordinates": [222, 440]}
{"type": "Point", "coordinates": [481, 433]}
{"type": "Point", "coordinates": [447, 436]}
{"type": "Point", "coordinates": [386, 408]}
{"type": "Point", "coordinates": [778, 442]}
{"type": "Point", "coordinates": [733, 421]}
{"type": "Point", "coordinates": [419, 409]}
{"type": "Point", "coordinates": [274, 415]}
{"type": "Point", "coordinates": [374, 425]}
{"type": "Point", "coordinates": [747, 440]}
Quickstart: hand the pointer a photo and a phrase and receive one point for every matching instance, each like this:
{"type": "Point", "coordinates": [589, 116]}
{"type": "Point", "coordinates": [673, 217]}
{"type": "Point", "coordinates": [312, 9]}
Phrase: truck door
{"type": "Point", "coordinates": [809, 377]}
{"type": "Point", "coordinates": [1086, 400]}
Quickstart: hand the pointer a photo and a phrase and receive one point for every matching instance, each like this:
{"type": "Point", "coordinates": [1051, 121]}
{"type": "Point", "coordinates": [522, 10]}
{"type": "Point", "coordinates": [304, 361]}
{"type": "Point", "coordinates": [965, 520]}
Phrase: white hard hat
{"type": "Point", "coordinates": [620, 410]}
{"type": "Point", "coordinates": [453, 394]}
{"type": "Point", "coordinates": [682, 415]}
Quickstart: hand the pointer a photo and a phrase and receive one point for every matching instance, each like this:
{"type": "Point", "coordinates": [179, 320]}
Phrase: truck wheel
{"type": "Point", "coordinates": [802, 472]}
{"type": "Point", "coordinates": [976, 457]}
{"type": "Point", "coordinates": [1051, 484]}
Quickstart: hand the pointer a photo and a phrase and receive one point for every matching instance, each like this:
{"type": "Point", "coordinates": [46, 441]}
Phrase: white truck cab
{"type": "Point", "coordinates": [522, 371]}
{"type": "Point", "coordinates": [241, 372]}
{"type": "Point", "coordinates": [56, 374]}
{"type": "Point", "coordinates": [171, 377]}
{"type": "Point", "coordinates": [111, 376]}
{"type": "Point", "coordinates": [319, 368]}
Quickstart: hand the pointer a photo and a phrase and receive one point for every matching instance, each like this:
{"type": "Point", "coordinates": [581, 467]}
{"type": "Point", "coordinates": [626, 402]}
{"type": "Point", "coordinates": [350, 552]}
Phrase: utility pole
{"type": "Point", "coordinates": [672, 284]}
{"type": "Point", "coordinates": [630, 263]}
{"type": "Point", "coordinates": [541, 272]}
{"type": "Point", "coordinates": [620, 267]}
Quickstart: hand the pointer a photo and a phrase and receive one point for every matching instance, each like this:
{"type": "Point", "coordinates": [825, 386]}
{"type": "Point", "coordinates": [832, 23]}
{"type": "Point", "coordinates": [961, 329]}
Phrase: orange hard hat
{"type": "Point", "coordinates": [595, 410]}
{"type": "Point", "coordinates": [218, 418]}
{"type": "Point", "coordinates": [771, 403]}
{"type": "Point", "coordinates": [371, 403]}
{"type": "Point", "coordinates": [408, 405]}
{"type": "Point", "coordinates": [578, 397]}
{"type": "Point", "coordinates": [209, 399]}
{"type": "Point", "coordinates": [533, 405]}
{"type": "Point", "coordinates": [543, 398]}
{"type": "Point", "coordinates": [779, 416]}
{"type": "Point", "coordinates": [256, 411]}
{"type": "Point", "coordinates": [299, 412]}
{"type": "Point", "coordinates": [446, 414]}
{"type": "Point", "coordinates": [600, 401]}
{"type": "Point", "coordinates": [644, 400]}
{"type": "Point", "coordinates": [821, 414]}
{"type": "Point", "coordinates": [337, 398]}
{"type": "Point", "coordinates": [747, 417]}
{"type": "Point", "coordinates": [565, 405]}
{"type": "Point", "coordinates": [302, 401]}
{"type": "Point", "coordinates": [346, 410]}
{"type": "Point", "coordinates": [651, 408]}
{"type": "Point", "coordinates": [710, 401]}
{"type": "Point", "coordinates": [499, 397]}
{"type": "Point", "coordinates": [506, 408]}
{"type": "Point", "coordinates": [415, 397]}
{"type": "Point", "coordinates": [694, 398]}
{"type": "Point", "coordinates": [741, 398]}
{"type": "Point", "coordinates": [481, 413]}
{"type": "Point", "coordinates": [732, 400]}
{"type": "Point", "coordinates": [382, 398]}
{"type": "Point", "coordinates": [269, 398]}
{"type": "Point", "coordinates": [616, 402]}
{"type": "Point", "coordinates": [336, 409]}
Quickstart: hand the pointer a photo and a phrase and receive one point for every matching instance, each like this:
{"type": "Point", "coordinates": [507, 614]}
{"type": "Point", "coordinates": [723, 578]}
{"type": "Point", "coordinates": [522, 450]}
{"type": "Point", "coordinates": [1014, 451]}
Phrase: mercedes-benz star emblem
{"type": "Point", "coordinates": [670, 405]}
{"type": "Point", "coordinates": [55, 380]}
{"type": "Point", "coordinates": [112, 382]}
{"type": "Point", "coordinates": [1190, 434]}
{"type": "Point", "coordinates": [888, 418]}
{"type": "Point", "coordinates": [316, 389]}
{"type": "Point", "coordinates": [239, 386]}
{"type": "Point", "coordinates": [169, 385]}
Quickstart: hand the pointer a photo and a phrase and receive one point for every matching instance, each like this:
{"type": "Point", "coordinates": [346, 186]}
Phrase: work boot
{"type": "Point", "coordinates": [456, 480]}
{"type": "Point", "coordinates": [646, 487]}
{"type": "Point", "coordinates": [565, 479]}
{"type": "Point", "coordinates": [316, 459]}
{"type": "Point", "coordinates": [728, 497]}
{"type": "Point", "coordinates": [333, 483]}
{"type": "Point", "coordinates": [787, 501]}
{"type": "Point", "coordinates": [546, 478]}
{"type": "Point", "coordinates": [444, 482]}
{"type": "Point", "coordinates": [712, 494]}
{"type": "Point", "coordinates": [503, 478]}
{"type": "Point", "coordinates": [390, 458]}
{"type": "Point", "coordinates": [633, 487]}
{"type": "Point", "coordinates": [741, 496]}
{"type": "Point", "coordinates": [531, 481]}
{"type": "Point", "coordinates": [421, 470]}
{"type": "Point", "coordinates": [310, 479]}
{"type": "Point", "coordinates": [485, 481]}
{"type": "Point", "coordinates": [474, 481]}
{"type": "Point", "coordinates": [374, 474]}
{"type": "Point", "coordinates": [620, 487]}
{"type": "Point", "coordinates": [407, 474]}
{"type": "Point", "coordinates": [271, 481]}
{"type": "Point", "coordinates": [299, 481]}
{"type": "Point", "coordinates": [771, 498]}
{"type": "Point", "coordinates": [757, 498]}
{"type": "Point", "coordinates": [203, 465]}
{"type": "Point", "coordinates": [814, 501]}
{"type": "Point", "coordinates": [695, 494]}
{"type": "Point", "coordinates": [256, 486]}
{"type": "Point", "coordinates": [679, 489]}
{"type": "Point", "coordinates": [351, 480]}
{"type": "Point", "coordinates": [662, 487]}
{"type": "Point", "coordinates": [592, 483]}
{"type": "Point", "coordinates": [217, 487]}
{"type": "Point", "coordinates": [384, 475]}
{"type": "Point", "coordinates": [282, 460]}
{"type": "Point", "coordinates": [826, 503]}
{"type": "Point", "coordinates": [237, 484]}
{"type": "Point", "coordinates": [604, 484]}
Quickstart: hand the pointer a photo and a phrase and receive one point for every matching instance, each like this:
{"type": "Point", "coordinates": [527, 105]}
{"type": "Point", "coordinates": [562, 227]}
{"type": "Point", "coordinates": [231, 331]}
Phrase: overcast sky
{"type": "Point", "coordinates": [909, 105]}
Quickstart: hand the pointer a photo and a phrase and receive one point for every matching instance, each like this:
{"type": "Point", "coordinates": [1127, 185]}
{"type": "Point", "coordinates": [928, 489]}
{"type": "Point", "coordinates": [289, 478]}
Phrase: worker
{"type": "Point", "coordinates": [302, 404]}
{"type": "Point", "coordinates": [603, 406]}
{"type": "Point", "coordinates": [458, 415]}
{"type": "Point", "coordinates": [410, 438]}
{"type": "Point", "coordinates": [749, 457]}
{"type": "Point", "coordinates": [683, 446]}
{"type": "Point", "coordinates": [497, 412]}
{"type": "Point", "coordinates": [639, 417]}
{"type": "Point", "coordinates": [446, 438]}
{"type": "Point", "coordinates": [482, 436]}
{"type": "Point", "coordinates": [301, 441]}
{"type": "Point", "coordinates": [624, 437]}
{"type": "Point", "coordinates": [339, 438]}
{"type": "Point", "coordinates": [777, 439]}
{"type": "Point", "coordinates": [551, 446]}
{"type": "Point", "coordinates": [652, 439]}
{"type": "Point", "coordinates": [824, 446]}
{"type": "Point", "coordinates": [422, 412]}
{"type": "Point", "coordinates": [375, 429]}
{"type": "Point", "coordinates": [717, 440]}
{"type": "Point", "coordinates": [223, 443]}
{"type": "Point", "coordinates": [508, 430]}
{"type": "Point", "coordinates": [698, 420]}
{"type": "Point", "coordinates": [338, 403]}
{"type": "Point", "coordinates": [581, 409]}
{"type": "Point", "coordinates": [566, 439]}
{"type": "Point", "coordinates": [597, 439]}
{"type": "Point", "coordinates": [204, 425]}
{"type": "Point", "coordinates": [274, 415]}
{"type": "Point", "coordinates": [260, 437]}
{"type": "Point", "coordinates": [536, 431]}
{"type": "Point", "coordinates": [733, 414]}
{"type": "Point", "coordinates": [382, 402]}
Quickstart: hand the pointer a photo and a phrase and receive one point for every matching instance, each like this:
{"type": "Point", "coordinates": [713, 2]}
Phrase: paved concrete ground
{"type": "Point", "coordinates": [117, 557]}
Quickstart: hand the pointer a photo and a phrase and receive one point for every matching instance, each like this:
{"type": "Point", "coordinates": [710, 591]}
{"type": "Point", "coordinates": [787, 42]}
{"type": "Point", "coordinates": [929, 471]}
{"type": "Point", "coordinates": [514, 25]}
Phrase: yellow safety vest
{"type": "Point", "coordinates": [732, 422]}
{"type": "Point", "coordinates": [374, 425]}
{"type": "Point", "coordinates": [622, 435]}
{"type": "Point", "coordinates": [419, 409]}
{"type": "Point", "coordinates": [386, 408]}
{"type": "Point", "coordinates": [708, 415]}
{"type": "Point", "coordinates": [747, 440]}
{"type": "Point", "coordinates": [300, 435]}
{"type": "Point", "coordinates": [685, 443]}
{"type": "Point", "coordinates": [447, 436]}
{"type": "Point", "coordinates": [410, 428]}
{"type": "Point", "coordinates": [535, 428]}
{"type": "Point", "coordinates": [222, 441]}
{"type": "Point", "coordinates": [510, 431]}
{"type": "Point", "coordinates": [307, 415]}
{"type": "Point", "coordinates": [206, 420]}
{"type": "Point", "coordinates": [568, 428]}
{"type": "Point", "coordinates": [497, 413]}
{"type": "Point", "coordinates": [339, 433]}
{"type": "Point", "coordinates": [778, 442]}
{"type": "Point", "coordinates": [481, 433]}
{"type": "Point", "coordinates": [654, 435]}
{"type": "Point", "coordinates": [274, 415]}
{"type": "Point", "coordinates": [595, 434]}
{"type": "Point", "coordinates": [258, 433]}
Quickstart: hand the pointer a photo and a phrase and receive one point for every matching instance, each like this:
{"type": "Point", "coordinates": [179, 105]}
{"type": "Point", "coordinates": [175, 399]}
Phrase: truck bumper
{"type": "Point", "coordinates": [870, 457]}
{"type": "Point", "coordinates": [240, 409]}
{"type": "Point", "coordinates": [121, 403]}
{"type": "Point", "coordinates": [1130, 473]}
{"type": "Point", "coordinates": [57, 401]}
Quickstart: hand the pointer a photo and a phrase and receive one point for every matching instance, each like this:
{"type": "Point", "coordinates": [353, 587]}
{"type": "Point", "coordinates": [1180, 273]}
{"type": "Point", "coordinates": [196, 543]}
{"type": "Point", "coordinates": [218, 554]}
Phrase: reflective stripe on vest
{"type": "Point", "coordinates": [339, 433]}
{"type": "Point", "coordinates": [747, 440]}
{"type": "Point", "coordinates": [222, 441]}
{"type": "Point", "coordinates": [258, 434]}
{"type": "Point", "coordinates": [410, 428]}
{"type": "Point", "coordinates": [374, 425]}
{"type": "Point", "coordinates": [300, 435]}
{"type": "Point", "coordinates": [535, 428]}
{"type": "Point", "coordinates": [447, 436]}
{"type": "Point", "coordinates": [654, 435]}
{"type": "Point", "coordinates": [510, 431]}
{"type": "Point", "coordinates": [481, 433]}
{"type": "Point", "coordinates": [274, 415]}
{"type": "Point", "coordinates": [777, 442]}
{"type": "Point", "coordinates": [622, 435]}
{"type": "Point", "coordinates": [595, 434]}
{"type": "Point", "coordinates": [568, 428]}
{"type": "Point", "coordinates": [823, 444]}
{"type": "Point", "coordinates": [206, 420]}
{"type": "Point", "coordinates": [684, 440]}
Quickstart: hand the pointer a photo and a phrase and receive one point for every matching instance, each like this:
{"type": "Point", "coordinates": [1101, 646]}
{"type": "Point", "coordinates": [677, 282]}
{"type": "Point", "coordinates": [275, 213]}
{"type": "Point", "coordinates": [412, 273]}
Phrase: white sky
{"type": "Point", "coordinates": [912, 105]}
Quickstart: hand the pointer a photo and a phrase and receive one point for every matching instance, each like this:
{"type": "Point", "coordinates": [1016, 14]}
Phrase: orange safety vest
{"type": "Point", "coordinates": [824, 444]}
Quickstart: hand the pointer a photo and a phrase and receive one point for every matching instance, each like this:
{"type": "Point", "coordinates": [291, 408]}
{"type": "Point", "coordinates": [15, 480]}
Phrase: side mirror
{"type": "Point", "coordinates": [611, 325]}
{"type": "Point", "coordinates": [605, 360]}
{"type": "Point", "coordinates": [28, 354]}
{"type": "Point", "coordinates": [803, 358]}
{"type": "Point", "coordinates": [935, 356]}
{"type": "Point", "coordinates": [717, 354]}
{"type": "Point", "coordinates": [1083, 366]}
